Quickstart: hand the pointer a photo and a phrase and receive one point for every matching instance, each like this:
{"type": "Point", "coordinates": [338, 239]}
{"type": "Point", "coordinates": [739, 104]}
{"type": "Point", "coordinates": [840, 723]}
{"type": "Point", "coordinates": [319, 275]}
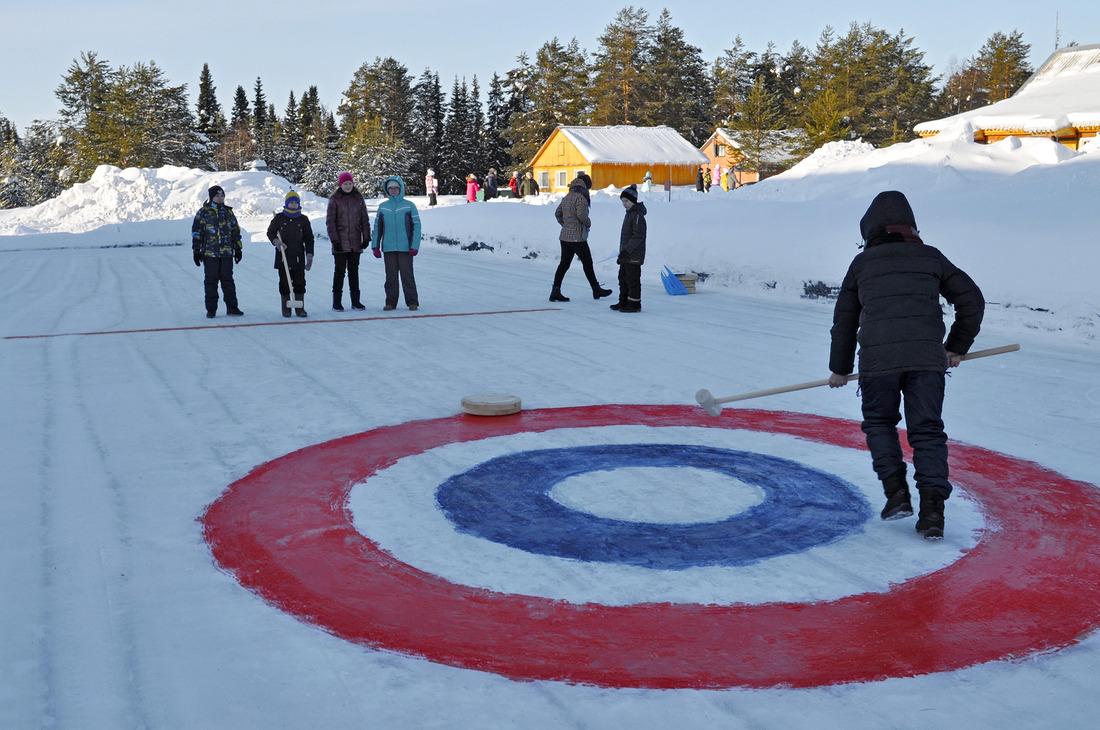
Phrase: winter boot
{"type": "Point", "coordinates": [598, 292]}
{"type": "Point", "coordinates": [631, 306]}
{"type": "Point", "coordinates": [286, 307]}
{"type": "Point", "coordinates": [234, 312]}
{"type": "Point", "coordinates": [338, 301]}
{"type": "Point", "coordinates": [301, 311]}
{"type": "Point", "coordinates": [930, 519]}
{"type": "Point", "coordinates": [898, 505]}
{"type": "Point", "coordinates": [355, 303]}
{"type": "Point", "coordinates": [557, 296]}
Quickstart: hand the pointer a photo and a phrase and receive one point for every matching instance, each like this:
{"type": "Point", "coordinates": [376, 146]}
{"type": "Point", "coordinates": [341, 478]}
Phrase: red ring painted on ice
{"type": "Point", "coordinates": [1031, 584]}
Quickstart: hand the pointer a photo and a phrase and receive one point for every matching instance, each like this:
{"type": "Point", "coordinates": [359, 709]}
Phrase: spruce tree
{"type": "Point", "coordinates": [83, 93]}
{"type": "Point", "coordinates": [262, 123]}
{"type": "Point", "coordinates": [286, 159]}
{"type": "Point", "coordinates": [209, 118]}
{"type": "Point", "coordinates": [496, 125]}
{"type": "Point", "coordinates": [455, 159]}
{"type": "Point", "coordinates": [426, 128]}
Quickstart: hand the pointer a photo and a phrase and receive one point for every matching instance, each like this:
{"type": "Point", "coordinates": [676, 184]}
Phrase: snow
{"type": "Point", "coordinates": [626, 144]}
{"type": "Point", "coordinates": [1064, 92]}
{"type": "Point", "coordinates": [116, 616]}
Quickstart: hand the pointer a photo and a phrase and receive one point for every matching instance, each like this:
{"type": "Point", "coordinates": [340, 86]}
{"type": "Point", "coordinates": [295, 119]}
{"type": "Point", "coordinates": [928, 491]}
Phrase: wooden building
{"type": "Point", "coordinates": [1060, 102]}
{"type": "Point", "coordinates": [721, 149]}
{"type": "Point", "coordinates": [616, 156]}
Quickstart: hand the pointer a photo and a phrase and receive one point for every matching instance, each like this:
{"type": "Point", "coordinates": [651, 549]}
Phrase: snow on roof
{"type": "Point", "coordinates": [626, 144]}
{"type": "Point", "coordinates": [1063, 93]}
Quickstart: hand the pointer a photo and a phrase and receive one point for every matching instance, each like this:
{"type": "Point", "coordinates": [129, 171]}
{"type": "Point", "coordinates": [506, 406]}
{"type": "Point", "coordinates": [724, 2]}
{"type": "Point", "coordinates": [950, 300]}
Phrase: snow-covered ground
{"type": "Point", "coordinates": [115, 443]}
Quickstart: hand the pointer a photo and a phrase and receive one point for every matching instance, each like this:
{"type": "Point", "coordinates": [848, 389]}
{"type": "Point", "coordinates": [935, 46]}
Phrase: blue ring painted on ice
{"type": "Point", "coordinates": [506, 500]}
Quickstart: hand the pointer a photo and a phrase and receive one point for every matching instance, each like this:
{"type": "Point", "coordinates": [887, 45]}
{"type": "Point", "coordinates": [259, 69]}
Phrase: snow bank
{"type": "Point", "coordinates": [115, 196]}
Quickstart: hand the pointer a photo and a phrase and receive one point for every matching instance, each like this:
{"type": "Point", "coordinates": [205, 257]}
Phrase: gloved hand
{"type": "Point", "coordinates": [238, 254]}
{"type": "Point", "coordinates": [377, 252]}
{"type": "Point", "coordinates": [198, 257]}
{"type": "Point", "coordinates": [619, 259]}
{"type": "Point", "coordinates": [413, 251]}
{"type": "Point", "coordinates": [309, 261]}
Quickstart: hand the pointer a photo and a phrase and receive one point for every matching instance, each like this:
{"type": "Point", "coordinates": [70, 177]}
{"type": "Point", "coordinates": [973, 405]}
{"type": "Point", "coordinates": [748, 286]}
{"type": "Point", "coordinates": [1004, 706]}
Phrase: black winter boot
{"type": "Point", "coordinates": [930, 519]}
{"type": "Point", "coordinates": [301, 311]}
{"type": "Point", "coordinates": [598, 292]}
{"type": "Point", "coordinates": [898, 505]}
{"type": "Point", "coordinates": [338, 301]}
{"type": "Point", "coordinates": [355, 303]}
{"type": "Point", "coordinates": [286, 309]}
{"type": "Point", "coordinates": [557, 296]}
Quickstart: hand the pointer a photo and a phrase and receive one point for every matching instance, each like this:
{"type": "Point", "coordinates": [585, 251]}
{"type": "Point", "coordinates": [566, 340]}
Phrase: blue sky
{"type": "Point", "coordinates": [290, 47]}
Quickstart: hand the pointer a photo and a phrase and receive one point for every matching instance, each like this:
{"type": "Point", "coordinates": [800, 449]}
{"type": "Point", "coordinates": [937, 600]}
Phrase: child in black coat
{"type": "Point", "coordinates": [291, 231]}
{"type": "Point", "coordinates": [631, 252]}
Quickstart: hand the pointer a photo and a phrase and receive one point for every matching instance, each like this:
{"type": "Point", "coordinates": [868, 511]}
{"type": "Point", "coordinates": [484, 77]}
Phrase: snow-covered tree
{"type": "Point", "coordinates": [426, 128]}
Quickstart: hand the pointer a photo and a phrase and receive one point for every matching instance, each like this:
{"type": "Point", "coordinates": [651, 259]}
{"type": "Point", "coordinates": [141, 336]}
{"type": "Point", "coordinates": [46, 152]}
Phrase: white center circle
{"type": "Point", "coordinates": [657, 495]}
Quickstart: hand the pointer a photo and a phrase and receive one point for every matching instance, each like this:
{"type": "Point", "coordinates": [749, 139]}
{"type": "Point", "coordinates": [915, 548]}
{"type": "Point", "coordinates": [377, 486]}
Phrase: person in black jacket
{"type": "Point", "coordinates": [631, 252]}
{"type": "Point", "coordinates": [291, 230]}
{"type": "Point", "coordinates": [889, 303]}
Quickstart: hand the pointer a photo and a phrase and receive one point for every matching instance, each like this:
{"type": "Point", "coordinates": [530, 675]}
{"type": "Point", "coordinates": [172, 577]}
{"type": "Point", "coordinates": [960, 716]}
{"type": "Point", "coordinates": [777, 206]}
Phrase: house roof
{"type": "Point", "coordinates": [626, 144]}
{"type": "Point", "coordinates": [1063, 93]}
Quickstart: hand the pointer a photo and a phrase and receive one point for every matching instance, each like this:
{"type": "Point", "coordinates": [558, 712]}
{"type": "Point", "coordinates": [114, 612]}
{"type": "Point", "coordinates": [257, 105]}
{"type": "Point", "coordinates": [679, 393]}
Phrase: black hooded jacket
{"type": "Point", "coordinates": [890, 299]}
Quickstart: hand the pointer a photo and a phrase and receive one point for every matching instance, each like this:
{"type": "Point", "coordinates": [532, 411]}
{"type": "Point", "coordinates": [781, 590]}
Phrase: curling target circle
{"type": "Point", "coordinates": [803, 507]}
{"type": "Point", "coordinates": [1031, 584]}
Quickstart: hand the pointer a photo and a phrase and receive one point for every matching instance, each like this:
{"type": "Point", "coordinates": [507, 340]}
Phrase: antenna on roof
{"type": "Point", "coordinates": [1057, 32]}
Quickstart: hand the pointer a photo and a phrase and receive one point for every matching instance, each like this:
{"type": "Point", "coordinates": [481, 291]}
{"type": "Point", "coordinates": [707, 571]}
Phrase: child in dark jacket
{"type": "Point", "coordinates": [631, 252]}
{"type": "Point", "coordinates": [291, 231]}
{"type": "Point", "coordinates": [890, 303]}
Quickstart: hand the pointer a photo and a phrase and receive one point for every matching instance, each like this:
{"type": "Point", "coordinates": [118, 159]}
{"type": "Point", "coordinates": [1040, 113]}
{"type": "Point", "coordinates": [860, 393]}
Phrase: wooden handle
{"type": "Point", "coordinates": [853, 376]}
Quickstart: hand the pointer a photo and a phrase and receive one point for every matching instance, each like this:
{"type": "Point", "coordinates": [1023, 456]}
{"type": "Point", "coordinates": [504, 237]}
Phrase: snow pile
{"type": "Point", "coordinates": [114, 196]}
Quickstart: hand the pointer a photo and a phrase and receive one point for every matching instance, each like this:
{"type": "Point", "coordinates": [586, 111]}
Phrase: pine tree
{"type": "Point", "coordinates": [548, 93]}
{"type": "Point", "coordinates": [383, 91]}
{"type": "Point", "coordinates": [1003, 63]}
{"type": "Point", "coordinates": [83, 94]}
{"type": "Point", "coordinates": [680, 92]}
{"type": "Point", "coordinates": [756, 128]}
{"type": "Point", "coordinates": [731, 80]}
{"type": "Point", "coordinates": [620, 83]}
{"type": "Point", "coordinates": [241, 112]}
{"type": "Point", "coordinates": [475, 132]}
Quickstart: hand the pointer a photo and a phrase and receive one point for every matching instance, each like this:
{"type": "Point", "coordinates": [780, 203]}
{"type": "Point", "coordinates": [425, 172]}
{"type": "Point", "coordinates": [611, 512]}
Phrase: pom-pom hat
{"type": "Point", "coordinates": [630, 193]}
{"type": "Point", "coordinates": [344, 177]}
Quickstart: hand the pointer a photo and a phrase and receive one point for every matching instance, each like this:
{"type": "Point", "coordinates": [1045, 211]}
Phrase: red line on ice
{"type": "Point", "coordinates": [294, 321]}
{"type": "Point", "coordinates": [1030, 585]}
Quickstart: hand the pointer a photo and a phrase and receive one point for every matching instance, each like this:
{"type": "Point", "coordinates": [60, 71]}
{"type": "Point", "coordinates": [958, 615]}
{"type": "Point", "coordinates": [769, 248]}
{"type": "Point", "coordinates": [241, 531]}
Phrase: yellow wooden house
{"type": "Point", "coordinates": [616, 156]}
{"type": "Point", "coordinates": [1060, 102]}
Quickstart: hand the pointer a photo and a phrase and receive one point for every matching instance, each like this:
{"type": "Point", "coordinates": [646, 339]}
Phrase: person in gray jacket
{"type": "Point", "coordinates": [572, 216]}
{"type": "Point", "coordinates": [889, 303]}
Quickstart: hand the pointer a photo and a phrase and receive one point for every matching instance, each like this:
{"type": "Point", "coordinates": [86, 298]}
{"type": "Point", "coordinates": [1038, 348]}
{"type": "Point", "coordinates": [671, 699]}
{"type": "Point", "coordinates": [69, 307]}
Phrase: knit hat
{"type": "Point", "coordinates": [215, 190]}
{"type": "Point", "coordinates": [583, 177]}
{"type": "Point", "coordinates": [296, 210]}
{"type": "Point", "coordinates": [630, 193]}
{"type": "Point", "coordinates": [344, 177]}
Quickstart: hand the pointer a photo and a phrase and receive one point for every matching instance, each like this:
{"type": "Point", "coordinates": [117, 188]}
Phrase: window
{"type": "Point", "coordinates": [563, 179]}
{"type": "Point", "coordinates": [719, 150]}
{"type": "Point", "coordinates": [544, 180]}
